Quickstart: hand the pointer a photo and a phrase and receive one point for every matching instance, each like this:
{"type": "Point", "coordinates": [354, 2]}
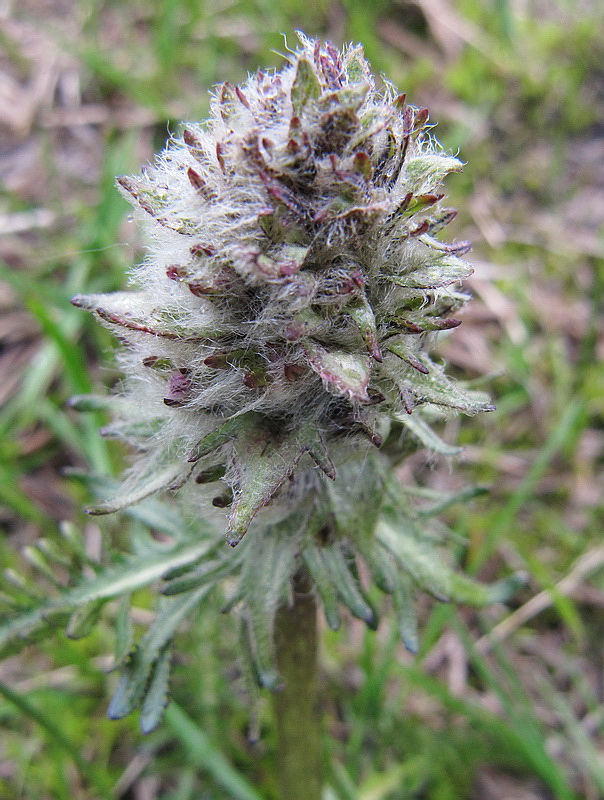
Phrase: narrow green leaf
{"type": "Point", "coordinates": [324, 585]}
{"type": "Point", "coordinates": [114, 581]}
{"type": "Point", "coordinates": [156, 695]}
{"type": "Point", "coordinates": [39, 562]}
{"type": "Point", "coordinates": [423, 564]}
{"type": "Point", "coordinates": [137, 672]}
{"type": "Point", "coordinates": [123, 631]}
{"type": "Point", "coordinates": [347, 585]}
{"type": "Point", "coordinates": [148, 479]}
{"type": "Point", "coordinates": [422, 431]}
{"type": "Point", "coordinates": [406, 616]}
{"type": "Point", "coordinates": [83, 619]}
{"type": "Point", "coordinates": [208, 572]}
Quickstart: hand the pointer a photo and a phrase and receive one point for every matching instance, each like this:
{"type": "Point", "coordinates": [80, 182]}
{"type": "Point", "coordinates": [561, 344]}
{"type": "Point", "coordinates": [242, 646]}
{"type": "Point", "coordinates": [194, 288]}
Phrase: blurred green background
{"type": "Point", "coordinates": [501, 704]}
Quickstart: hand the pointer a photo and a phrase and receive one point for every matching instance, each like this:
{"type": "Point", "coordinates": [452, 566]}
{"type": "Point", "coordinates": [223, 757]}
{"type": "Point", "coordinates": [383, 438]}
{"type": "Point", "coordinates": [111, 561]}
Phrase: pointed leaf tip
{"type": "Point", "coordinates": [306, 86]}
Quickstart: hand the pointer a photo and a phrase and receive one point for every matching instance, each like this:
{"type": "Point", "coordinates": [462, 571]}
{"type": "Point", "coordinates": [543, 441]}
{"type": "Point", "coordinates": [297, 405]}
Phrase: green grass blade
{"type": "Point", "coordinates": [562, 432]}
{"type": "Point", "coordinates": [203, 754]}
{"type": "Point", "coordinates": [100, 782]}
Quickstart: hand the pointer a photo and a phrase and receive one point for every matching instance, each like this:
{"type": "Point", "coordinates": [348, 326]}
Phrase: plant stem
{"type": "Point", "coordinates": [296, 703]}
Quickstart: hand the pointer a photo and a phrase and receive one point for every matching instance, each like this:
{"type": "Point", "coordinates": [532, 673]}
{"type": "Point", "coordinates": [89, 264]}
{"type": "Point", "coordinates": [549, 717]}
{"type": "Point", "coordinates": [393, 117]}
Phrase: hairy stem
{"type": "Point", "coordinates": [296, 704]}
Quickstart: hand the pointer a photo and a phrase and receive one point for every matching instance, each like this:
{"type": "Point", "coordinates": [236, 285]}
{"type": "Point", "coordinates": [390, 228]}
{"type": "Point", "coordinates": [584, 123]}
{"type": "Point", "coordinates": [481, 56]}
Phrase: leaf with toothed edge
{"type": "Point", "coordinates": [422, 431]}
{"type": "Point", "coordinates": [394, 582]}
{"type": "Point", "coordinates": [155, 475]}
{"type": "Point", "coordinates": [83, 619]}
{"type": "Point", "coordinates": [263, 459]}
{"type": "Point", "coordinates": [437, 389]}
{"type": "Point", "coordinates": [323, 585]}
{"type": "Point", "coordinates": [406, 616]}
{"type": "Point", "coordinates": [157, 692]}
{"type": "Point", "coordinates": [265, 580]}
{"type": "Point", "coordinates": [429, 572]}
{"type": "Point", "coordinates": [137, 674]}
{"type": "Point", "coordinates": [41, 617]}
{"type": "Point", "coordinates": [347, 585]}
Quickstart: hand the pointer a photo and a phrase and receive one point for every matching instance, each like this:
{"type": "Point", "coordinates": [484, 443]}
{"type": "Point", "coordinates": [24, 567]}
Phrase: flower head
{"type": "Point", "coordinates": [277, 341]}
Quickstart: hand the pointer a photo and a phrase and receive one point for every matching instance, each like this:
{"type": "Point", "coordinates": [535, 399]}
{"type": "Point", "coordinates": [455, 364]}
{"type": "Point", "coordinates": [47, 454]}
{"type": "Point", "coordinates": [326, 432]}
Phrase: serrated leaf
{"type": "Point", "coordinates": [137, 671]}
{"type": "Point", "coordinates": [134, 573]}
{"type": "Point", "coordinates": [422, 431]}
{"type": "Point", "coordinates": [347, 585]}
{"type": "Point", "coordinates": [323, 585]}
{"type": "Point", "coordinates": [424, 565]}
{"type": "Point", "coordinates": [154, 513]}
{"type": "Point", "coordinates": [263, 458]}
{"type": "Point", "coordinates": [391, 579]}
{"type": "Point", "coordinates": [266, 572]}
{"type": "Point", "coordinates": [436, 388]}
{"type": "Point", "coordinates": [406, 616]}
{"type": "Point", "coordinates": [129, 690]}
{"type": "Point", "coordinates": [123, 631]}
{"type": "Point", "coordinates": [209, 572]}
{"type": "Point", "coordinates": [148, 479]}
{"type": "Point", "coordinates": [83, 620]}
{"type": "Point", "coordinates": [444, 501]}
{"type": "Point", "coordinates": [156, 696]}
{"type": "Point", "coordinates": [260, 629]}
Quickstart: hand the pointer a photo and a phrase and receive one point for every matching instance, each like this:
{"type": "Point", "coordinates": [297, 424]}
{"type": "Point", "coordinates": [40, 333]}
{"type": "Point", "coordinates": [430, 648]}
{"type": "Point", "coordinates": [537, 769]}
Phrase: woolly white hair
{"type": "Point", "coordinates": [292, 287]}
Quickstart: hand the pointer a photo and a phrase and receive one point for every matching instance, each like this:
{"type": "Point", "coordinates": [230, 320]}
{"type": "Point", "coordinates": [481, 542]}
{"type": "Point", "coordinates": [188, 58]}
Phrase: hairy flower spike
{"type": "Point", "coordinates": [278, 341]}
{"type": "Point", "coordinates": [302, 279]}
